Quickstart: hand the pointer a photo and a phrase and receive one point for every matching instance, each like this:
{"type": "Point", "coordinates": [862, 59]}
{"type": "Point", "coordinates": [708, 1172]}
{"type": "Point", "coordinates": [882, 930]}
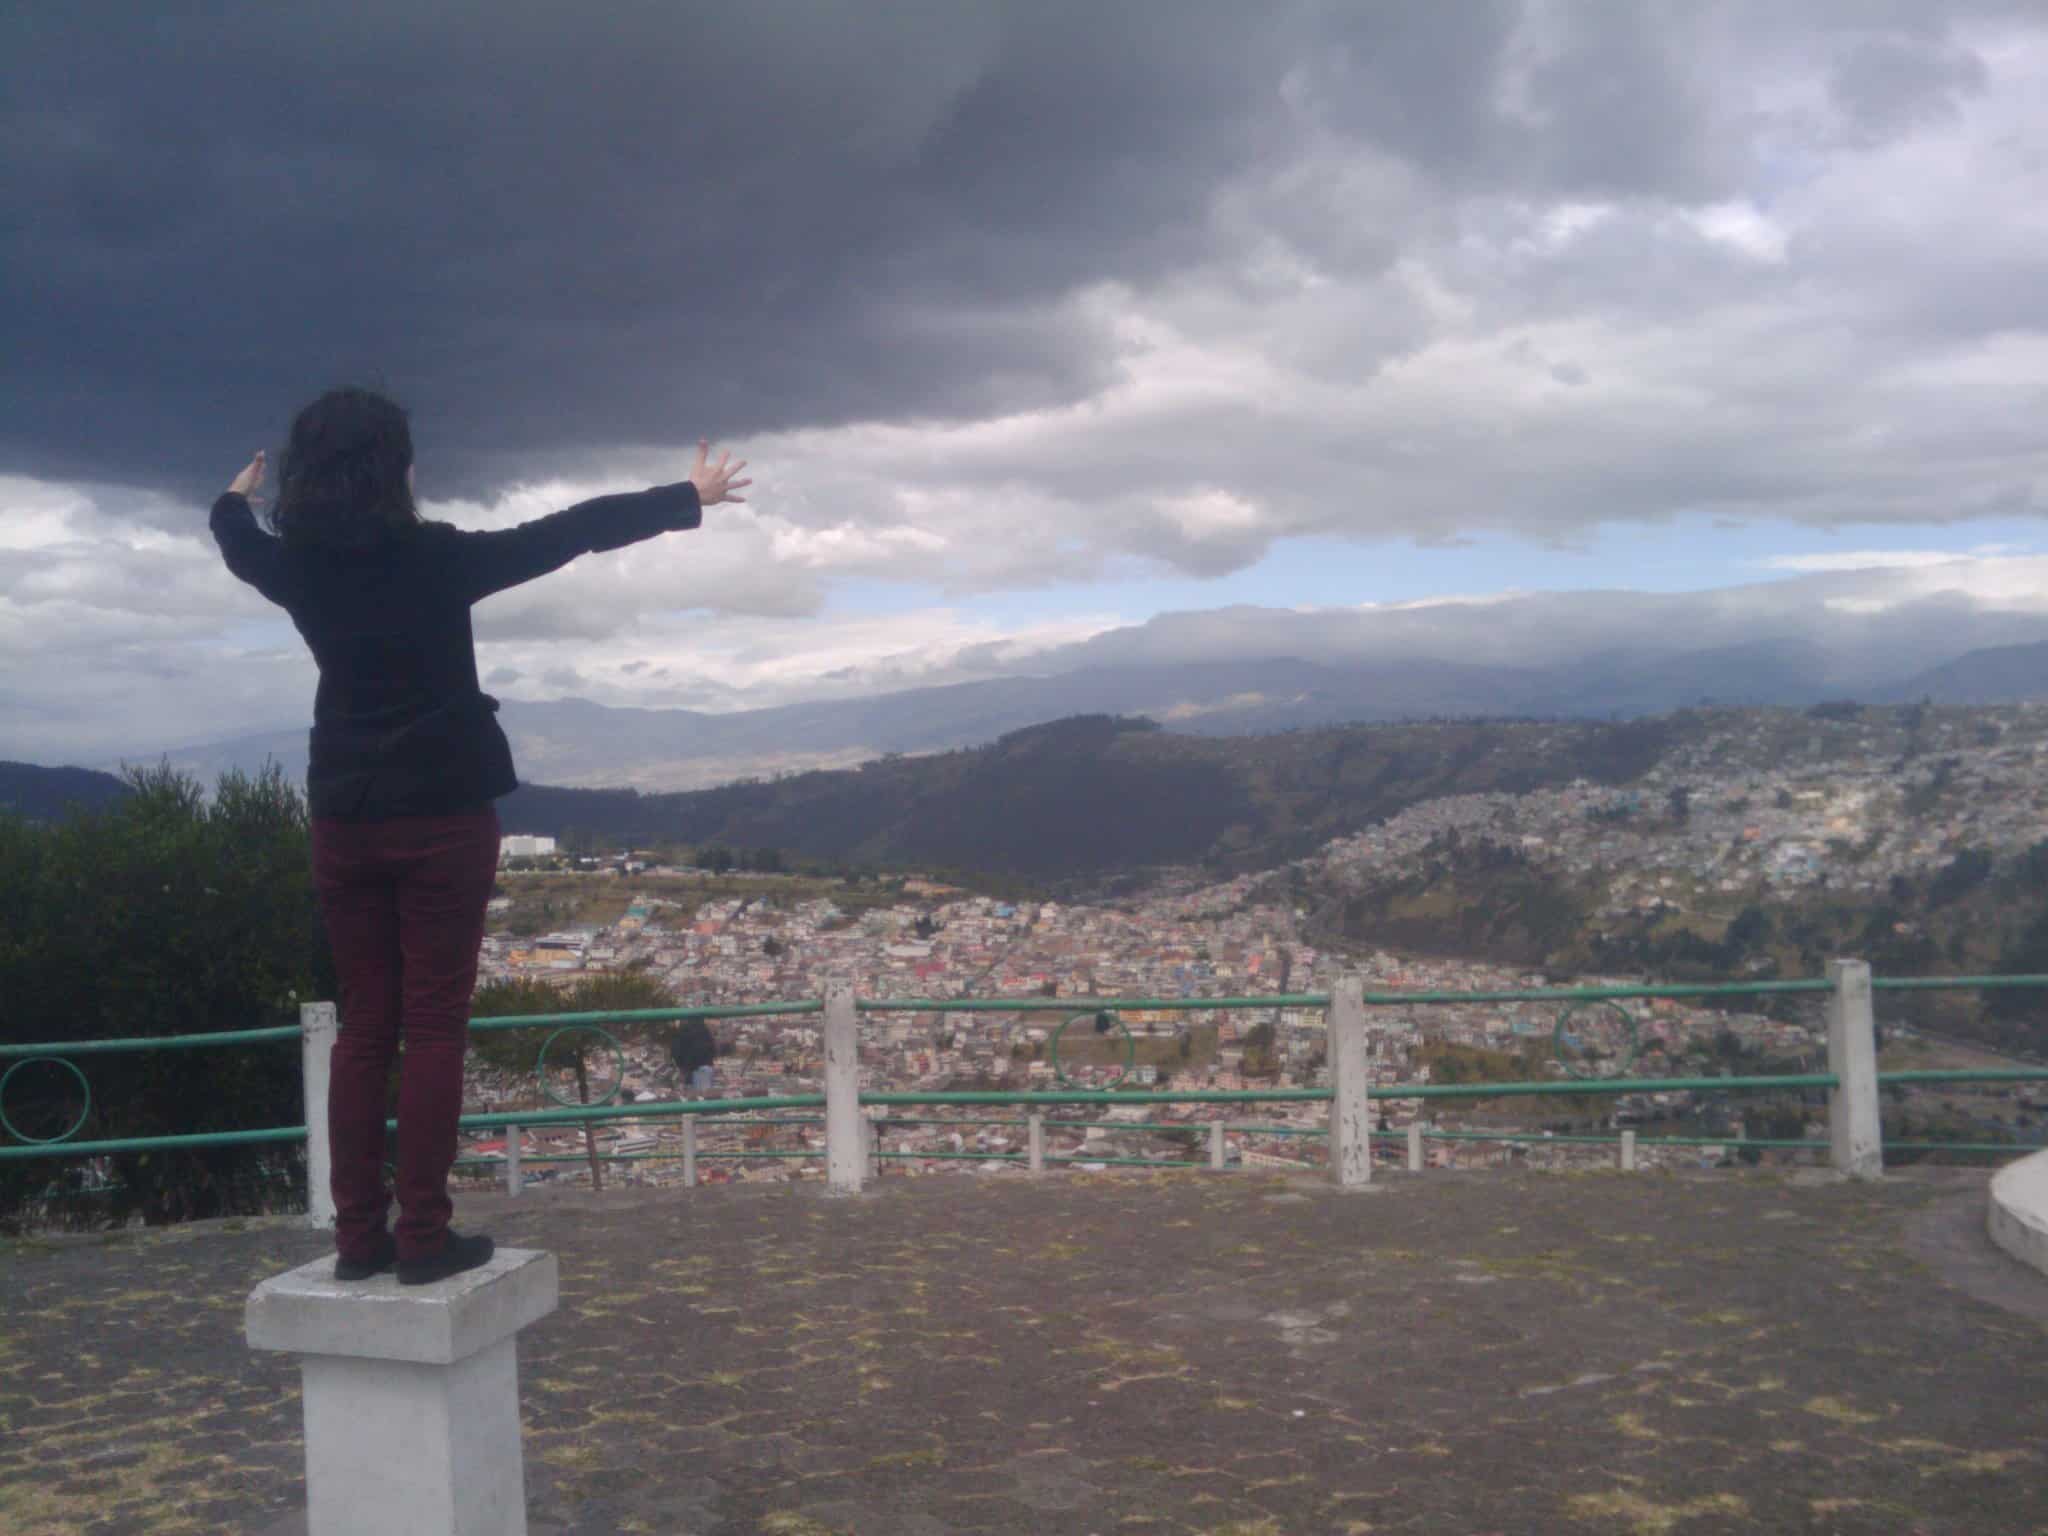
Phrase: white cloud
{"type": "Point", "coordinates": [1742, 226]}
{"type": "Point", "coordinates": [1863, 560]}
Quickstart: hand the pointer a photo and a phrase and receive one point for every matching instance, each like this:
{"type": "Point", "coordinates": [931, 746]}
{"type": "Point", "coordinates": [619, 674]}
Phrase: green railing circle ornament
{"type": "Point", "coordinates": [84, 1109]}
{"type": "Point", "coordinates": [1601, 1043]}
{"type": "Point", "coordinates": [540, 1065]}
{"type": "Point", "coordinates": [1103, 1020]}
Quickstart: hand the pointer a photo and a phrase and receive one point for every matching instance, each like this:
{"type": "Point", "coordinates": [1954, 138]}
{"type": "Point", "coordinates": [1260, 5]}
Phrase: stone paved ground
{"type": "Point", "coordinates": [1137, 1353]}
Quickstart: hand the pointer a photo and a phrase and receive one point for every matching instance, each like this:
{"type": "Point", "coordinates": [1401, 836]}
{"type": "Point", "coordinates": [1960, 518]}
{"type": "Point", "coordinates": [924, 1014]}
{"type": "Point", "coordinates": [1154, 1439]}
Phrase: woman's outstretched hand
{"type": "Point", "coordinates": [246, 482]}
{"type": "Point", "coordinates": [714, 482]}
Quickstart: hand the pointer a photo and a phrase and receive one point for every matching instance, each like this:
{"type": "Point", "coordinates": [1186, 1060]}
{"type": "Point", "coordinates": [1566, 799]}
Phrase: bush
{"type": "Point", "coordinates": [166, 915]}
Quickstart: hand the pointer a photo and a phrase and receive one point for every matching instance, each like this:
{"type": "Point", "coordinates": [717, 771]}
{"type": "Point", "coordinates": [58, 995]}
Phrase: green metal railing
{"type": "Point", "coordinates": [1559, 1088]}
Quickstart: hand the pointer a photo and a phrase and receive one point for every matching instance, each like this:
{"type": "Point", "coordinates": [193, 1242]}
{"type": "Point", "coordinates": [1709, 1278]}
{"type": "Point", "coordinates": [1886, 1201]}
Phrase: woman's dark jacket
{"type": "Point", "coordinates": [400, 726]}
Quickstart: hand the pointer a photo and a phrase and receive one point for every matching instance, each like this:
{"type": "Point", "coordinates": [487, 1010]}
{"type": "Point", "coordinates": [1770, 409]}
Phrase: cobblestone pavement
{"type": "Point", "coordinates": [1126, 1353]}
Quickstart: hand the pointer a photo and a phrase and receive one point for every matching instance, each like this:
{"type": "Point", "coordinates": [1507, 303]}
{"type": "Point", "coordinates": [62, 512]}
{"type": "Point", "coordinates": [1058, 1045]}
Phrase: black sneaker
{"type": "Point", "coordinates": [381, 1258]}
{"type": "Point", "coordinates": [459, 1253]}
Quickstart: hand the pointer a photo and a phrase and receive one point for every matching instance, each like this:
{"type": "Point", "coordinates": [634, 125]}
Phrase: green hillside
{"type": "Point", "coordinates": [1096, 794]}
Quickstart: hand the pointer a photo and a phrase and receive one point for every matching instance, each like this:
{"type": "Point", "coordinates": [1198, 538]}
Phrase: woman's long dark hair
{"type": "Point", "coordinates": [343, 483]}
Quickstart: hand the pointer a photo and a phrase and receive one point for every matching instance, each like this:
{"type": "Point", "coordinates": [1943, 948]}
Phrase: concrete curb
{"type": "Point", "coordinates": [2017, 1216]}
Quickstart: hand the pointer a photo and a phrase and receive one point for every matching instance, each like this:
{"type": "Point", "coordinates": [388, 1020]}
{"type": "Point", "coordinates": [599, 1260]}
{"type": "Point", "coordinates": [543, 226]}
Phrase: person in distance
{"type": "Point", "coordinates": [405, 762]}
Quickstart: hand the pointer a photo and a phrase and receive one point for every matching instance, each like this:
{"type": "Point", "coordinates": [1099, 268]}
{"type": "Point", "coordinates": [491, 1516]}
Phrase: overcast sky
{"type": "Point", "coordinates": [1033, 319]}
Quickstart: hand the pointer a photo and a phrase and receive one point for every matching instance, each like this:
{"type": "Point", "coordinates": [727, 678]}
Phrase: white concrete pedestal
{"type": "Point", "coordinates": [2018, 1214]}
{"type": "Point", "coordinates": [411, 1393]}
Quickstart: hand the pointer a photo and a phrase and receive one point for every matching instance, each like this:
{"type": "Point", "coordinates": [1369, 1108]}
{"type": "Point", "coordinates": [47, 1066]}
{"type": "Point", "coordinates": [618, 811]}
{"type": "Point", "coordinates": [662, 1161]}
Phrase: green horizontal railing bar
{"type": "Point", "coordinates": [1293, 1130]}
{"type": "Point", "coordinates": [1571, 1087]}
{"type": "Point", "coordinates": [1114, 1125]}
{"type": "Point", "coordinates": [1322, 999]}
{"type": "Point", "coordinates": [1525, 1138]}
{"type": "Point", "coordinates": [1599, 994]}
{"type": "Point", "coordinates": [505, 1021]}
{"type": "Point", "coordinates": [1101, 1096]}
{"type": "Point", "coordinates": [1053, 1005]}
{"type": "Point", "coordinates": [717, 1107]}
{"type": "Point", "coordinates": [153, 1042]}
{"type": "Point", "coordinates": [1085, 1004]}
{"type": "Point", "coordinates": [151, 1143]}
{"type": "Point", "coordinates": [1537, 1139]}
{"type": "Point", "coordinates": [666, 1108]}
{"type": "Point", "coordinates": [1019, 1157]}
{"type": "Point", "coordinates": [1967, 1075]}
{"type": "Point", "coordinates": [498, 1163]}
{"type": "Point", "coordinates": [477, 1122]}
{"type": "Point", "coordinates": [1067, 1125]}
{"type": "Point", "coordinates": [642, 1015]}
{"type": "Point", "coordinates": [1939, 983]}
{"type": "Point", "coordinates": [1056, 1005]}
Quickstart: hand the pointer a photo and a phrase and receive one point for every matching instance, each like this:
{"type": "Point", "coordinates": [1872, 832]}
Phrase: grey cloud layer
{"type": "Point", "coordinates": [995, 296]}
{"type": "Point", "coordinates": [554, 230]}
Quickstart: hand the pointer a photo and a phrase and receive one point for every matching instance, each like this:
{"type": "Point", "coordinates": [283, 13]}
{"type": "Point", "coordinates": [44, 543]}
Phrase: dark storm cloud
{"type": "Point", "coordinates": [555, 231]}
{"type": "Point", "coordinates": [553, 228]}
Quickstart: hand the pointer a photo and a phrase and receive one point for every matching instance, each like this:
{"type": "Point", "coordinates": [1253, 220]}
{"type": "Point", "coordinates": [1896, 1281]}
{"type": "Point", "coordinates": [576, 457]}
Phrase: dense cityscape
{"type": "Point", "coordinates": [1707, 826]}
{"type": "Point", "coordinates": [1758, 806]}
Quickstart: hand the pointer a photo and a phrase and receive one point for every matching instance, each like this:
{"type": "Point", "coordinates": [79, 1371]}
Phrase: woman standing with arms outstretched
{"type": "Point", "coordinates": [406, 758]}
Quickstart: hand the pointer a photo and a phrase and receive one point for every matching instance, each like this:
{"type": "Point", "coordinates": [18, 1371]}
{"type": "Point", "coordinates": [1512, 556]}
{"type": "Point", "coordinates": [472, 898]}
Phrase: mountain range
{"type": "Point", "coordinates": [579, 744]}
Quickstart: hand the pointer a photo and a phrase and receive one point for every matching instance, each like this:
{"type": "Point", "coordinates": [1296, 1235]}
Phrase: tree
{"type": "Point", "coordinates": [1970, 868]}
{"type": "Point", "coordinates": [2031, 868]}
{"type": "Point", "coordinates": [1260, 1057]}
{"type": "Point", "coordinates": [1680, 803]}
{"type": "Point", "coordinates": [518, 1050]}
{"type": "Point", "coordinates": [163, 914]}
{"type": "Point", "coordinates": [513, 1050]}
{"type": "Point", "coordinates": [1750, 931]}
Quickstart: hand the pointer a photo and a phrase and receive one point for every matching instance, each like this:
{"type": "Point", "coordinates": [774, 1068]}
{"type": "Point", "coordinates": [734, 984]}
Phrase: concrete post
{"type": "Point", "coordinates": [689, 1151]}
{"type": "Point", "coordinates": [1415, 1147]}
{"type": "Point", "coordinates": [1219, 1156]}
{"type": "Point", "coordinates": [1855, 1136]}
{"type": "Point", "coordinates": [1350, 1076]}
{"type": "Point", "coordinates": [513, 1182]}
{"type": "Point", "coordinates": [317, 1028]}
{"type": "Point", "coordinates": [411, 1393]}
{"type": "Point", "coordinates": [1628, 1151]}
{"type": "Point", "coordinates": [844, 1150]}
{"type": "Point", "coordinates": [1034, 1141]}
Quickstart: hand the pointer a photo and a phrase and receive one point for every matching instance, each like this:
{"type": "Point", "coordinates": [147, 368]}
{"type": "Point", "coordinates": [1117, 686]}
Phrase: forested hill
{"type": "Point", "coordinates": [1098, 793]}
{"type": "Point", "coordinates": [49, 794]}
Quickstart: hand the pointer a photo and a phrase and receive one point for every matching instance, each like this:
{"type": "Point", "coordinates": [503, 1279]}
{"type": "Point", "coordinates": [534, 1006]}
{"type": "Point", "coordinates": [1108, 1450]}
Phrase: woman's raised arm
{"type": "Point", "coordinates": [490, 562]}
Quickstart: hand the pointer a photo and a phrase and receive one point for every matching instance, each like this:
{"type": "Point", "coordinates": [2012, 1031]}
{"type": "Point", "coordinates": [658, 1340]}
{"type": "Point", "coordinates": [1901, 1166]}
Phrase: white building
{"type": "Point", "coordinates": [519, 845]}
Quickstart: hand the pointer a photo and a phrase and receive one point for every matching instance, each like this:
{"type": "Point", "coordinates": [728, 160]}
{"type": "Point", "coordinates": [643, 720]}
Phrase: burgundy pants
{"type": "Point", "coordinates": [404, 903]}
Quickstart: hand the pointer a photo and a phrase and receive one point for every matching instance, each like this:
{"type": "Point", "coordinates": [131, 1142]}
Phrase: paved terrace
{"type": "Point", "coordinates": [1127, 1353]}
